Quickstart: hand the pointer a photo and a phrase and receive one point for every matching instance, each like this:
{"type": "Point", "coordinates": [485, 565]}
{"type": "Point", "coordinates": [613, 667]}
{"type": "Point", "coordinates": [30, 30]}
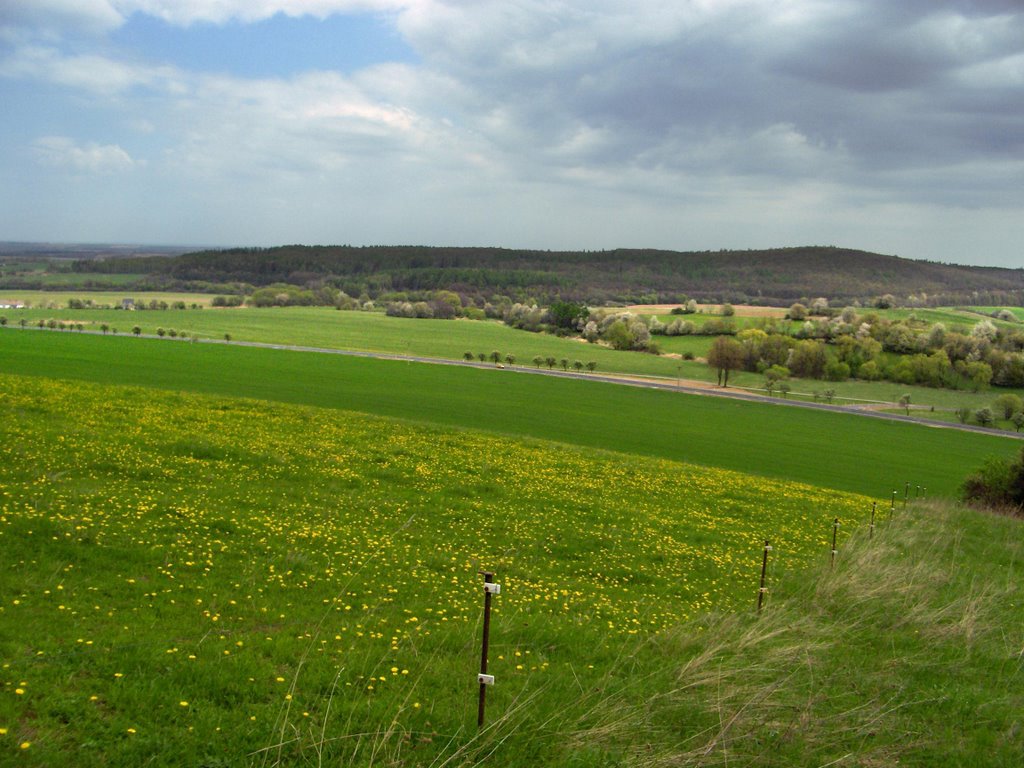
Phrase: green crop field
{"type": "Point", "coordinates": [447, 339]}
{"type": "Point", "coordinates": [839, 451]}
{"type": "Point", "coordinates": [365, 331]}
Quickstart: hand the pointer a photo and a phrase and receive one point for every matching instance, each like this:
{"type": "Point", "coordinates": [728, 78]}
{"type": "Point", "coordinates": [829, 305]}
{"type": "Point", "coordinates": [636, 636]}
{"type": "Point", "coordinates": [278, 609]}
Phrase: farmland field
{"type": "Point", "coordinates": [375, 332]}
{"type": "Point", "coordinates": [59, 298]}
{"type": "Point", "coordinates": [831, 450]}
{"type": "Point", "coordinates": [191, 579]}
{"type": "Point", "coordinates": [364, 331]}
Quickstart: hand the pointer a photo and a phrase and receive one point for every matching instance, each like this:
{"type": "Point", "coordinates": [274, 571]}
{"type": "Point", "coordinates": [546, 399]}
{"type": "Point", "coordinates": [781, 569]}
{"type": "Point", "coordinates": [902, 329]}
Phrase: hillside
{"type": "Point", "coordinates": [194, 580]}
{"type": "Point", "coordinates": [773, 276]}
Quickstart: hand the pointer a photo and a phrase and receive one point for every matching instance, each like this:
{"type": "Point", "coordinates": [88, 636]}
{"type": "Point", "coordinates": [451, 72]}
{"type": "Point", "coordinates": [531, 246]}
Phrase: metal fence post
{"type": "Point", "coordinates": [490, 588]}
{"type": "Point", "coordinates": [764, 574]}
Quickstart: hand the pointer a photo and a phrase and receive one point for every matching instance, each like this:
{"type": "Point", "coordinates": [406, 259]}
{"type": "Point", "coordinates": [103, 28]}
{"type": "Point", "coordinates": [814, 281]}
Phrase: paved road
{"type": "Point", "coordinates": [606, 378]}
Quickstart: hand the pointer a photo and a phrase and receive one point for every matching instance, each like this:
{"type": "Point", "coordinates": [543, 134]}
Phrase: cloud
{"type": "Point", "coordinates": [56, 16]}
{"type": "Point", "coordinates": [793, 89]}
{"type": "Point", "coordinates": [63, 152]}
{"type": "Point", "coordinates": [92, 73]}
{"type": "Point", "coordinates": [626, 116]}
{"type": "Point", "coordinates": [185, 12]}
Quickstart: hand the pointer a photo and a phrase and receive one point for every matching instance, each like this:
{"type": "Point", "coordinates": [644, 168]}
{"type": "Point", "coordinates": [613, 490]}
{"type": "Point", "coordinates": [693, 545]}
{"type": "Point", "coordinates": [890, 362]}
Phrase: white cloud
{"type": "Point", "coordinates": [63, 152]}
{"type": "Point", "coordinates": [185, 12]}
{"type": "Point", "coordinates": [89, 72]}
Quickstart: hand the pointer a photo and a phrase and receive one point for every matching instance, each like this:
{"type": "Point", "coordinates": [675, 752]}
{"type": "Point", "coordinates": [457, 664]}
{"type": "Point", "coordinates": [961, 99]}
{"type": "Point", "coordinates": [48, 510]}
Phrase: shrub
{"type": "Point", "coordinates": [837, 371]}
{"type": "Point", "coordinates": [619, 335]}
{"type": "Point", "coordinates": [1006, 405]}
{"type": "Point", "coordinates": [997, 483]}
{"type": "Point", "coordinates": [869, 371]}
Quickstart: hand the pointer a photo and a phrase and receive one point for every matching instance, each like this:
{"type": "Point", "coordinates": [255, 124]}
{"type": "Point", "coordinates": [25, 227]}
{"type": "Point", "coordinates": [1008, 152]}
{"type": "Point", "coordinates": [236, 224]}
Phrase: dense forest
{"type": "Point", "coordinates": [773, 276]}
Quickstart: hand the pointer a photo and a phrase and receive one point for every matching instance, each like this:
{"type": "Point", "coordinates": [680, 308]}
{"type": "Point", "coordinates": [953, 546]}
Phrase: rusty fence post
{"type": "Point", "coordinates": [490, 588]}
{"type": "Point", "coordinates": [764, 575]}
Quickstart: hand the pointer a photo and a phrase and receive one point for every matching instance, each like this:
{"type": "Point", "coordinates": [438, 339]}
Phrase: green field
{"type": "Point", "coordinates": [366, 331]}
{"type": "Point", "coordinates": [839, 451]}
{"type": "Point", "coordinates": [1017, 311]}
{"type": "Point", "coordinates": [58, 299]}
{"type": "Point", "coordinates": [375, 332]}
{"type": "Point", "coordinates": [189, 580]}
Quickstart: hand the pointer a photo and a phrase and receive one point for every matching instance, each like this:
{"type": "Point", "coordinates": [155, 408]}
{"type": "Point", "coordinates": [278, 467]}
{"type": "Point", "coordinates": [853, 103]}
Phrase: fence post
{"type": "Point", "coordinates": [871, 528]}
{"type": "Point", "coordinates": [764, 574]}
{"type": "Point", "coordinates": [490, 588]}
{"type": "Point", "coordinates": [835, 533]}
{"type": "Point", "coordinates": [906, 494]}
{"type": "Point", "coordinates": [892, 505]}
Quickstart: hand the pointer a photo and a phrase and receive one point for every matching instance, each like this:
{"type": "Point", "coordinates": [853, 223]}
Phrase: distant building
{"type": "Point", "coordinates": [15, 305]}
{"type": "Point", "coordinates": [127, 303]}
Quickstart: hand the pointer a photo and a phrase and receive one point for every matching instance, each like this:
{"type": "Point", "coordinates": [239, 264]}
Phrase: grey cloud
{"type": "Point", "coordinates": [852, 89]}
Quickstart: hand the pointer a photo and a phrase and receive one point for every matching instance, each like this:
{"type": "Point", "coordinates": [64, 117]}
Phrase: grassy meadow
{"type": "Point", "coordinates": [832, 450]}
{"type": "Point", "coordinates": [198, 580]}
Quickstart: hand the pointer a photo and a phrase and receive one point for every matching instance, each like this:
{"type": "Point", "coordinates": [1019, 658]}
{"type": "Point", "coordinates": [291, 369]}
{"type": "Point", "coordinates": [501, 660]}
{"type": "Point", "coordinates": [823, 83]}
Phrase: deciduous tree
{"type": "Point", "coordinates": [725, 355]}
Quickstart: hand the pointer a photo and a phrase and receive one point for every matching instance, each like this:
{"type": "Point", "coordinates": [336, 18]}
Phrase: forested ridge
{"type": "Point", "coordinates": [762, 276]}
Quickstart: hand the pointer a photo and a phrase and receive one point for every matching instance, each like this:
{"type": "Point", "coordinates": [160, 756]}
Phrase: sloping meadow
{"type": "Point", "coordinates": [233, 582]}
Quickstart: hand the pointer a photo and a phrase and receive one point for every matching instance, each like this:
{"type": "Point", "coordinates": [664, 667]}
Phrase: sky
{"type": "Point", "coordinates": [895, 127]}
